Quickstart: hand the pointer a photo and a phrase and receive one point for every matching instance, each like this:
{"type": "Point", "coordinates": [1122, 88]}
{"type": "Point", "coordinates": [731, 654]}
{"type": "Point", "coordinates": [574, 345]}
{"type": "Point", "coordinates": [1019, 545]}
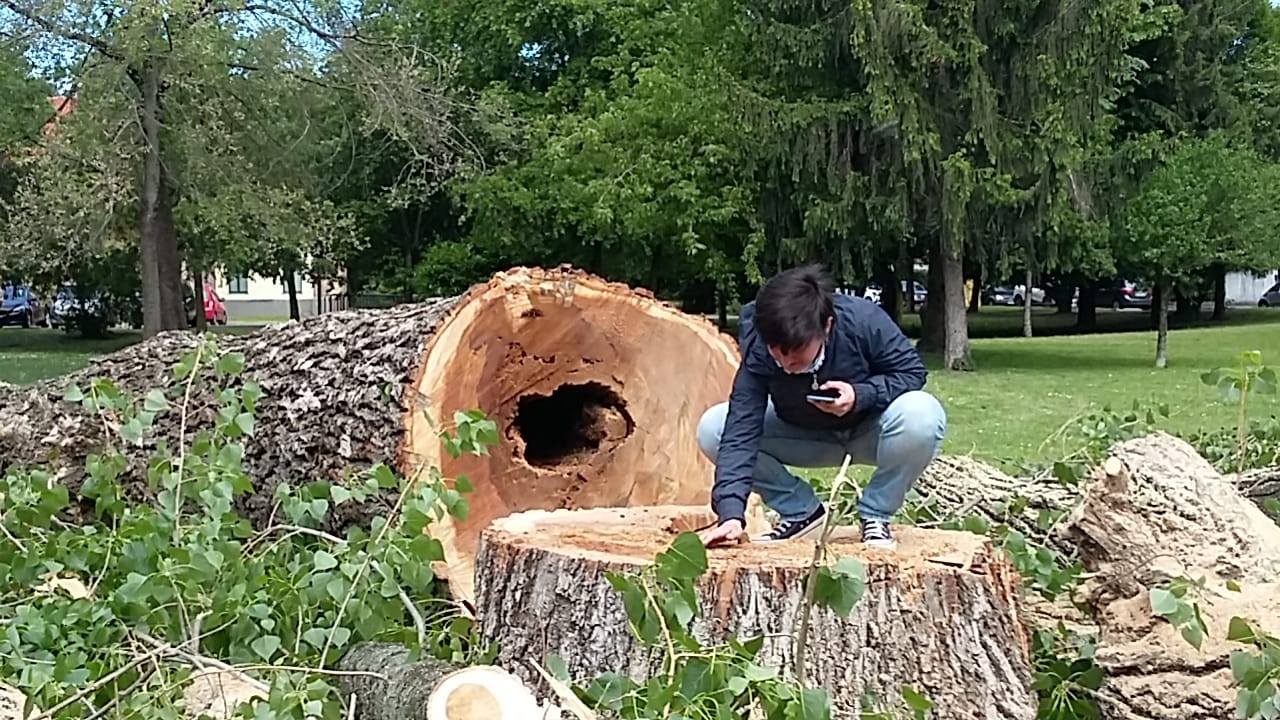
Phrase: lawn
{"type": "Point", "coordinates": [1012, 408]}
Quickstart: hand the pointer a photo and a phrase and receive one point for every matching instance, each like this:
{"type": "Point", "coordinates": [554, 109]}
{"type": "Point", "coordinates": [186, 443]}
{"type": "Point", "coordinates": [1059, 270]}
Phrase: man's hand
{"type": "Point", "coordinates": [727, 532]}
{"type": "Point", "coordinates": [843, 404]}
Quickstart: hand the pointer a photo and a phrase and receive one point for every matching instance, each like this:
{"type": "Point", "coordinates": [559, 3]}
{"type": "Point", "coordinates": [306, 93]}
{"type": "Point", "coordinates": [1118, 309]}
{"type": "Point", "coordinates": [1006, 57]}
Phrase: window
{"type": "Point", "coordinates": [237, 285]}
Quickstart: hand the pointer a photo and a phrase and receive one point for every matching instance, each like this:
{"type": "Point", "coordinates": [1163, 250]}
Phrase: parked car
{"type": "Point", "coordinates": [1270, 298]}
{"type": "Point", "coordinates": [920, 293]}
{"type": "Point", "coordinates": [68, 304]}
{"type": "Point", "coordinates": [1012, 295]}
{"type": "Point", "coordinates": [22, 306]}
{"type": "Point", "coordinates": [1123, 294]}
{"type": "Point", "coordinates": [215, 311]}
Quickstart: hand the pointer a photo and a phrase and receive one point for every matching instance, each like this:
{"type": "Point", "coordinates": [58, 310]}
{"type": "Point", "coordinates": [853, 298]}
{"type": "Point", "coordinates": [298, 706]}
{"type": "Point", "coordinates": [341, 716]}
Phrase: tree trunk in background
{"type": "Point", "coordinates": [956, 354]}
{"type": "Point", "coordinates": [1086, 309]}
{"type": "Point", "coordinates": [1026, 305]}
{"type": "Point", "coordinates": [1162, 327]}
{"type": "Point", "coordinates": [891, 292]}
{"type": "Point", "coordinates": [1219, 292]}
{"type": "Point", "coordinates": [290, 282]}
{"type": "Point", "coordinates": [933, 336]}
{"type": "Point", "coordinates": [197, 287]}
{"type": "Point", "coordinates": [563, 362]}
{"type": "Point", "coordinates": [943, 618]}
{"type": "Point", "coordinates": [1159, 304]}
{"type": "Point", "coordinates": [975, 296]}
{"type": "Point", "coordinates": [162, 306]}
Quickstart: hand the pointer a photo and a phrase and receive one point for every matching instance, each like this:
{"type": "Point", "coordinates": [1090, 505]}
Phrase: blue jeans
{"type": "Point", "coordinates": [900, 442]}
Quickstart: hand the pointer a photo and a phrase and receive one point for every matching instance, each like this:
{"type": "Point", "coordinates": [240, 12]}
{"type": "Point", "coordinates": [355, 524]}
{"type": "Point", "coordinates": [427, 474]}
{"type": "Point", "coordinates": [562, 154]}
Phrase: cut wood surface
{"type": "Point", "coordinates": [431, 689]}
{"type": "Point", "coordinates": [596, 390]}
{"type": "Point", "coordinates": [940, 613]}
{"type": "Point", "coordinates": [1156, 510]}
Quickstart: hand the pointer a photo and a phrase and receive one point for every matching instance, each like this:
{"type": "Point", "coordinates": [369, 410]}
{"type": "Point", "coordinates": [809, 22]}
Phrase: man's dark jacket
{"type": "Point", "coordinates": [865, 349]}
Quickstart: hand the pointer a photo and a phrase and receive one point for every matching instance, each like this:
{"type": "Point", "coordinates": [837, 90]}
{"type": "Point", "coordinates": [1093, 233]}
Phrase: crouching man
{"type": "Point", "coordinates": [822, 375]}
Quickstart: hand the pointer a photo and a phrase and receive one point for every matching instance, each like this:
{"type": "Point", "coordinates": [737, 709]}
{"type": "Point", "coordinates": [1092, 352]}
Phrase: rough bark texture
{"type": "Point", "coordinates": [596, 390]}
{"type": "Point", "coordinates": [403, 694]}
{"type": "Point", "coordinates": [956, 354]}
{"type": "Point", "coordinates": [1156, 510]}
{"type": "Point", "coordinates": [955, 486]}
{"type": "Point", "coordinates": [941, 613]}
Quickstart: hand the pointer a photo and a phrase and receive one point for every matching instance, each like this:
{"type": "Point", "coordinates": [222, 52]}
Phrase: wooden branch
{"type": "Point", "coordinates": [49, 26]}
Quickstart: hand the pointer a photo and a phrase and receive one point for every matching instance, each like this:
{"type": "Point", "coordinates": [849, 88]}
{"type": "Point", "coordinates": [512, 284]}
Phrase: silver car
{"type": "Point", "coordinates": [1270, 298]}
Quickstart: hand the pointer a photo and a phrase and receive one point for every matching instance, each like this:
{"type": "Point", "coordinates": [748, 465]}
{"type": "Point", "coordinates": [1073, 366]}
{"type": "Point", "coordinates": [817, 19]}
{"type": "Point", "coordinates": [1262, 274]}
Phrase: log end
{"type": "Point", "coordinates": [568, 366]}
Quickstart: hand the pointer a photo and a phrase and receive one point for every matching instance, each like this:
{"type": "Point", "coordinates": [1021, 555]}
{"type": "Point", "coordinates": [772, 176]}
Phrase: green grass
{"type": "Point", "coordinates": [1025, 391]}
{"type": "Point", "coordinates": [1012, 408]}
{"type": "Point", "coordinates": [34, 354]}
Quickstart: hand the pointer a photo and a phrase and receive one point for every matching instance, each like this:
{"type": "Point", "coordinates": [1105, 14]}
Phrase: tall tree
{"type": "Point", "coordinates": [146, 63]}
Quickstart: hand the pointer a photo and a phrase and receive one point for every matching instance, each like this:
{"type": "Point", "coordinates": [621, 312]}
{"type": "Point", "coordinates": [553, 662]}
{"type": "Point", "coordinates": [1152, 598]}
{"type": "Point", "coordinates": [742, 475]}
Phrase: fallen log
{"type": "Point", "coordinates": [1152, 513]}
{"type": "Point", "coordinates": [957, 486]}
{"type": "Point", "coordinates": [431, 689]}
{"type": "Point", "coordinates": [940, 614]}
{"type": "Point", "coordinates": [567, 364]}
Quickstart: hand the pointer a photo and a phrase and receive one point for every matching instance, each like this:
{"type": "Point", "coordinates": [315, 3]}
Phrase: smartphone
{"type": "Point", "coordinates": [815, 396]}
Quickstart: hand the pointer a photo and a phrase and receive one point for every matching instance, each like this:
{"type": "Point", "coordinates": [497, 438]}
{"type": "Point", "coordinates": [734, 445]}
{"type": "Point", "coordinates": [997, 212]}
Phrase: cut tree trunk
{"type": "Point", "coordinates": [1155, 510]}
{"type": "Point", "coordinates": [941, 613]}
{"type": "Point", "coordinates": [596, 390]}
{"type": "Point", "coordinates": [384, 683]}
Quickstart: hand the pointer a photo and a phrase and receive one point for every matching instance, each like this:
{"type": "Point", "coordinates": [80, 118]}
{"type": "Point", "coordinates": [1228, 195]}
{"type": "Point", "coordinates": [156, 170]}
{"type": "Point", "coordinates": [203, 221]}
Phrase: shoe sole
{"type": "Point", "coordinates": [881, 544]}
{"type": "Point", "coordinates": [811, 530]}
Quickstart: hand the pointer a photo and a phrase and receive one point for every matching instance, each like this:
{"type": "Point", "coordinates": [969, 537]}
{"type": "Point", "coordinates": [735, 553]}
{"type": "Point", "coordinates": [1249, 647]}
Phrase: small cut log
{"type": "Point", "coordinates": [1152, 512]}
{"type": "Point", "coordinates": [431, 689]}
{"type": "Point", "coordinates": [941, 613]}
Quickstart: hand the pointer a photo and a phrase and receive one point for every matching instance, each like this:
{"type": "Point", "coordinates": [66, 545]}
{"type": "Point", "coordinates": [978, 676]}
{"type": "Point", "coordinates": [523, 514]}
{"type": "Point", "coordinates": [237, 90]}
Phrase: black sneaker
{"type": "Point", "coordinates": [793, 529]}
{"type": "Point", "coordinates": [876, 533]}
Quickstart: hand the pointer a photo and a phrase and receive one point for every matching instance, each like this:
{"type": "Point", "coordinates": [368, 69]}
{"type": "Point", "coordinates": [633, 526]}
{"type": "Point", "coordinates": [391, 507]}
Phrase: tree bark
{"type": "Point", "coordinates": [566, 364]}
{"type": "Point", "coordinates": [290, 282]}
{"type": "Point", "coordinates": [1026, 305]}
{"type": "Point", "coordinates": [975, 294]}
{"type": "Point", "coordinates": [1156, 510]}
{"type": "Point", "coordinates": [1162, 325]}
{"type": "Point", "coordinates": [431, 689]}
{"type": "Point", "coordinates": [1086, 309]}
{"type": "Point", "coordinates": [956, 354]}
{"type": "Point", "coordinates": [162, 307]}
{"type": "Point", "coordinates": [197, 287]}
{"type": "Point", "coordinates": [933, 323]}
{"type": "Point", "coordinates": [940, 614]}
{"type": "Point", "coordinates": [1219, 292]}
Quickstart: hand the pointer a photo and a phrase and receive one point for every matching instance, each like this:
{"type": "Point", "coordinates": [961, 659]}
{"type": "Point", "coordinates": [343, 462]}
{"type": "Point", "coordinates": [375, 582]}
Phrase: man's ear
{"type": "Point", "coordinates": [830, 322]}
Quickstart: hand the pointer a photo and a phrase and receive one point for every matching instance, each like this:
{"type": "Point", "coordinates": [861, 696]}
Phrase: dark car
{"type": "Point", "coordinates": [22, 307]}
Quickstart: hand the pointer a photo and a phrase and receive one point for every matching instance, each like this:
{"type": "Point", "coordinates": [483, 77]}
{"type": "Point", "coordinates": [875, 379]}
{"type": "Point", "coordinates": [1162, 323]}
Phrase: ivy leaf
{"type": "Point", "coordinates": [266, 646]}
{"type": "Point", "coordinates": [1239, 630]}
{"type": "Point", "coordinates": [686, 559]}
{"type": "Point", "coordinates": [156, 401]}
{"type": "Point", "coordinates": [324, 560]}
{"type": "Point", "coordinates": [1163, 602]}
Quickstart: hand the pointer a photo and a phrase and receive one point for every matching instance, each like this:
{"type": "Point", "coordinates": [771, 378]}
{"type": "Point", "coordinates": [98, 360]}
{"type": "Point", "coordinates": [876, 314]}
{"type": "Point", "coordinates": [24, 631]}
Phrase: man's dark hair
{"type": "Point", "coordinates": [792, 308]}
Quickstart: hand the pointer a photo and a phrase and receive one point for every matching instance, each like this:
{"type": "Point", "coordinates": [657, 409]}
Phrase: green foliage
{"type": "Point", "coordinates": [1256, 443]}
{"type": "Point", "coordinates": [1256, 674]}
{"type": "Point", "coordinates": [1177, 604]}
{"type": "Point", "coordinates": [187, 571]}
{"type": "Point", "coordinates": [1065, 674]}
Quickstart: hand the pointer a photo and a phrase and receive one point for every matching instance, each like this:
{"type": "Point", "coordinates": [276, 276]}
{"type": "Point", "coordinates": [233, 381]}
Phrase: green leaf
{"type": "Point", "coordinates": [1233, 586]}
{"type": "Point", "coordinates": [324, 560]}
{"type": "Point", "coordinates": [156, 401]}
{"type": "Point", "coordinates": [915, 700]}
{"type": "Point", "coordinates": [231, 364]}
{"type": "Point", "coordinates": [244, 421]}
{"type": "Point", "coordinates": [557, 667]}
{"type": "Point", "coordinates": [339, 494]}
{"type": "Point", "coordinates": [266, 646]}
{"type": "Point", "coordinates": [685, 559]}
{"type": "Point", "coordinates": [1163, 602]}
{"type": "Point", "coordinates": [1239, 630]}
{"type": "Point", "coordinates": [1193, 634]}
{"type": "Point", "coordinates": [73, 394]}
{"type": "Point", "coordinates": [840, 592]}
{"type": "Point", "coordinates": [815, 704]}
{"type": "Point", "coordinates": [132, 430]}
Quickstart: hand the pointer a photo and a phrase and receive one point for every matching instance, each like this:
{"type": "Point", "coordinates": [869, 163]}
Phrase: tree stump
{"type": "Point", "coordinates": [1152, 512]}
{"type": "Point", "coordinates": [941, 613]}
{"type": "Point", "coordinates": [567, 364]}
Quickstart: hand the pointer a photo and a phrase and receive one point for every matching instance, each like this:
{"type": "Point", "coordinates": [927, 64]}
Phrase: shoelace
{"type": "Point", "coordinates": [876, 530]}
